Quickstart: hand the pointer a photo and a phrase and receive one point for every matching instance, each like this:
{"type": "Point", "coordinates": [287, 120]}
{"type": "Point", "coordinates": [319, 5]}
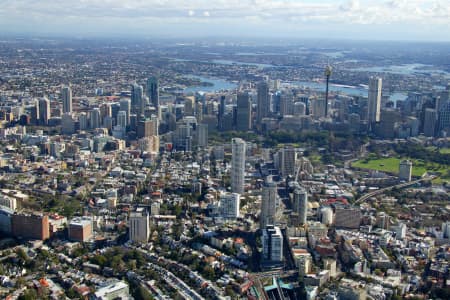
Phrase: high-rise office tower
{"type": "Point", "coordinates": [430, 121]}
{"type": "Point", "coordinates": [202, 135]}
{"type": "Point", "coordinates": [125, 105]}
{"type": "Point", "coordinates": [221, 113]}
{"type": "Point", "coordinates": [299, 109]}
{"type": "Point", "coordinates": [286, 104]}
{"type": "Point", "coordinates": [153, 91]}
{"type": "Point", "coordinates": [243, 112]}
{"type": "Point", "coordinates": [272, 242]}
{"type": "Point", "coordinates": [139, 225]}
{"type": "Point", "coordinates": [95, 118]}
{"type": "Point", "coordinates": [44, 111]}
{"type": "Point", "coordinates": [122, 119]}
{"type": "Point", "coordinates": [83, 120]}
{"type": "Point", "coordinates": [444, 118]}
{"type": "Point", "coordinates": [229, 205]}
{"type": "Point", "coordinates": [137, 96]}
{"type": "Point", "coordinates": [263, 101]}
{"type": "Point", "coordinates": [66, 95]}
{"type": "Point", "coordinates": [276, 99]}
{"type": "Point", "coordinates": [67, 124]}
{"type": "Point", "coordinates": [285, 161]}
{"type": "Point", "coordinates": [199, 111]}
{"type": "Point", "coordinates": [237, 165]}
{"type": "Point", "coordinates": [300, 204]}
{"type": "Point", "coordinates": [189, 106]}
{"type": "Point", "coordinates": [374, 100]}
{"type": "Point", "coordinates": [147, 127]}
{"type": "Point", "coordinates": [105, 110]}
{"type": "Point", "coordinates": [319, 108]}
{"type": "Point", "coordinates": [268, 203]}
{"type": "Point", "coordinates": [34, 112]}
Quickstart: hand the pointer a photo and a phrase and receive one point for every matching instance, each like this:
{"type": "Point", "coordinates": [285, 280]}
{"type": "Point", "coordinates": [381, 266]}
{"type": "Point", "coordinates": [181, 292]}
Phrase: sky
{"type": "Point", "coordinates": [416, 20]}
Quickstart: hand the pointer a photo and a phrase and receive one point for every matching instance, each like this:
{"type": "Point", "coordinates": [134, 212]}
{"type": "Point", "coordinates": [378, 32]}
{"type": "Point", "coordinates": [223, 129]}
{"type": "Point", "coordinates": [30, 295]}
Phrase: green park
{"type": "Point", "coordinates": [391, 165]}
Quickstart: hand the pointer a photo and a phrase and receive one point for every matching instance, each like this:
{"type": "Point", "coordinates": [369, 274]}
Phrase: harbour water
{"type": "Point", "coordinates": [218, 84]}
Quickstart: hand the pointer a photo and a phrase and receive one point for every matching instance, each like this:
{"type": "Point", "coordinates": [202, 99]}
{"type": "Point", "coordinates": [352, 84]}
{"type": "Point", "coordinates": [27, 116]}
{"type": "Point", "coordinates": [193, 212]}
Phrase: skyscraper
{"type": "Point", "coordinates": [44, 111]}
{"type": "Point", "coordinates": [153, 91]}
{"type": "Point", "coordinates": [229, 205]}
{"type": "Point", "coordinates": [83, 120]}
{"type": "Point", "coordinates": [374, 100]}
{"type": "Point", "coordinates": [237, 165]}
{"type": "Point", "coordinates": [137, 98]}
{"type": "Point", "coordinates": [263, 101]}
{"type": "Point", "coordinates": [286, 104]}
{"type": "Point", "coordinates": [300, 204]}
{"type": "Point", "coordinates": [202, 135]}
{"type": "Point", "coordinates": [95, 118]}
{"type": "Point", "coordinates": [429, 123]}
{"type": "Point", "coordinates": [268, 203]}
{"type": "Point", "coordinates": [444, 118]}
{"type": "Point", "coordinates": [139, 225]}
{"type": "Point", "coordinates": [189, 105]}
{"type": "Point", "coordinates": [405, 170]}
{"type": "Point", "coordinates": [66, 95]}
{"type": "Point", "coordinates": [147, 127]}
{"type": "Point", "coordinates": [285, 161]}
{"type": "Point", "coordinates": [243, 112]}
{"type": "Point", "coordinates": [221, 112]}
{"type": "Point", "coordinates": [319, 108]}
{"type": "Point", "coordinates": [125, 105]}
{"type": "Point", "coordinates": [122, 119]}
{"type": "Point", "coordinates": [272, 242]}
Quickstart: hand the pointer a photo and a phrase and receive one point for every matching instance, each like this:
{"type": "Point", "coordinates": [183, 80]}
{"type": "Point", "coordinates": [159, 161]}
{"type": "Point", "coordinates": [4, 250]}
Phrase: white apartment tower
{"type": "Point", "coordinates": [237, 165]}
{"type": "Point", "coordinates": [405, 170]}
{"type": "Point", "coordinates": [374, 100]}
{"type": "Point", "coordinates": [300, 204]}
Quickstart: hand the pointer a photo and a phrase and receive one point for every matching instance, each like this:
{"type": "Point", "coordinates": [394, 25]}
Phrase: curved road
{"type": "Point", "coordinates": [400, 186]}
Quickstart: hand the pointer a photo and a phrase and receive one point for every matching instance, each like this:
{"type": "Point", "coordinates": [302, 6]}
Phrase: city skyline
{"type": "Point", "coordinates": [361, 20]}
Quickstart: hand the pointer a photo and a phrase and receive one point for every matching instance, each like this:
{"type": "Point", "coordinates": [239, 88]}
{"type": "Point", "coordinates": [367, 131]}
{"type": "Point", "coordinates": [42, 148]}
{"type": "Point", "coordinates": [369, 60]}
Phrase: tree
{"type": "Point", "coordinates": [142, 294]}
{"type": "Point", "coordinates": [378, 272]}
{"type": "Point", "coordinates": [208, 272]}
{"type": "Point", "coordinates": [29, 294]}
{"type": "Point", "coordinates": [22, 255]}
{"type": "Point", "coordinates": [100, 260]}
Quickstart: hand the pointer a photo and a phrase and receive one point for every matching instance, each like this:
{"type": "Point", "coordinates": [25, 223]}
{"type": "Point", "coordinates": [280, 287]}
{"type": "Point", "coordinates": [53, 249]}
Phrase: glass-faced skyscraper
{"type": "Point", "coordinates": [66, 95]}
{"type": "Point", "coordinates": [137, 98]}
{"type": "Point", "coordinates": [263, 101]}
{"type": "Point", "coordinates": [153, 91]}
{"type": "Point", "coordinates": [243, 112]}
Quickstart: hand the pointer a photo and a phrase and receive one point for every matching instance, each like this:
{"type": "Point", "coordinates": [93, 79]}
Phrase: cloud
{"type": "Point", "coordinates": [339, 13]}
